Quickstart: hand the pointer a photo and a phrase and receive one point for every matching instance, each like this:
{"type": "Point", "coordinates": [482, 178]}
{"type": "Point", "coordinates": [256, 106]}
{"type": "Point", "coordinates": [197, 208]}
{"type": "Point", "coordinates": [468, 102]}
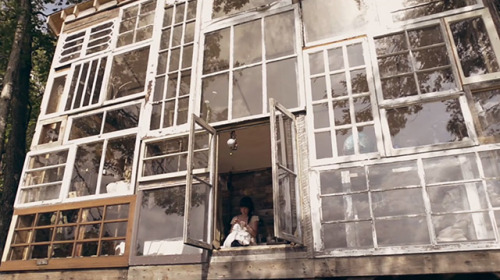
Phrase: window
{"type": "Point", "coordinates": [406, 10]}
{"type": "Point", "coordinates": [430, 201]}
{"type": "Point", "coordinates": [111, 120]}
{"type": "Point", "coordinates": [103, 167]}
{"type": "Point", "coordinates": [136, 23]}
{"type": "Point", "coordinates": [173, 80]}
{"type": "Point", "coordinates": [225, 8]}
{"type": "Point", "coordinates": [486, 107]}
{"type": "Point", "coordinates": [95, 232]}
{"type": "Point", "coordinates": [418, 82]}
{"type": "Point", "coordinates": [86, 84]}
{"type": "Point", "coordinates": [342, 101]}
{"type": "Point", "coordinates": [90, 41]}
{"type": "Point", "coordinates": [246, 64]}
{"type": "Point", "coordinates": [128, 73]}
{"type": "Point", "coordinates": [54, 103]}
{"type": "Point", "coordinates": [49, 133]}
{"type": "Point", "coordinates": [476, 45]}
{"type": "Point", "coordinates": [43, 176]}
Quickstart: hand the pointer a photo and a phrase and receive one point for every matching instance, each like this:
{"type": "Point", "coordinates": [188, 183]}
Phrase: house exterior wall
{"type": "Point", "coordinates": [386, 129]}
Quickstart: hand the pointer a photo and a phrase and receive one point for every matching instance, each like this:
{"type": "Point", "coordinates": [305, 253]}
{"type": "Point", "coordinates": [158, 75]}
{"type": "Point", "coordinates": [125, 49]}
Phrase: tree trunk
{"type": "Point", "coordinates": [15, 96]}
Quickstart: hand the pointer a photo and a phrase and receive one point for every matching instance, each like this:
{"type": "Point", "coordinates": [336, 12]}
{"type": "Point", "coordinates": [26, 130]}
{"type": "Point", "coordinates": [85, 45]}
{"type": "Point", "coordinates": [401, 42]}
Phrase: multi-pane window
{"type": "Point", "coordinates": [89, 41]}
{"type": "Point", "coordinates": [476, 46]}
{"type": "Point", "coordinates": [128, 73]}
{"type": "Point", "coordinates": [86, 84]}
{"type": "Point", "coordinates": [174, 68]}
{"type": "Point", "coordinates": [111, 120]}
{"type": "Point", "coordinates": [246, 64]}
{"type": "Point", "coordinates": [43, 176]}
{"type": "Point", "coordinates": [56, 234]}
{"type": "Point", "coordinates": [414, 62]}
{"type": "Point", "coordinates": [136, 23]}
{"type": "Point", "coordinates": [486, 108]}
{"type": "Point", "coordinates": [342, 99]}
{"type": "Point", "coordinates": [403, 10]}
{"type": "Point", "coordinates": [169, 156]}
{"type": "Point", "coordinates": [425, 201]}
{"type": "Point", "coordinates": [102, 167]}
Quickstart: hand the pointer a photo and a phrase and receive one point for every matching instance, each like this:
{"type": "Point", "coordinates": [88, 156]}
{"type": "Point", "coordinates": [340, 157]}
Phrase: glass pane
{"type": "Point", "coordinates": [391, 44]}
{"type": "Point", "coordinates": [65, 233]}
{"type": "Point", "coordinates": [316, 64]}
{"type": "Point", "coordinates": [169, 114]}
{"type": "Point", "coordinates": [45, 219]}
{"type": "Point", "coordinates": [399, 87]}
{"type": "Point", "coordinates": [462, 197]}
{"type": "Point", "coordinates": [191, 10]}
{"type": "Point", "coordinates": [493, 188]}
{"type": "Point", "coordinates": [325, 18]}
{"type": "Point", "coordinates": [335, 59]}
{"type": "Point", "coordinates": [199, 214]}
{"type": "Point", "coordinates": [48, 159]}
{"type": "Point", "coordinates": [161, 222]}
{"type": "Point", "coordinates": [63, 250]}
{"type": "Point", "coordinates": [114, 229]}
{"type": "Point", "coordinates": [437, 80]}
{"type": "Point", "coordinates": [463, 227]}
{"type": "Point", "coordinates": [168, 16]}
{"type": "Point", "coordinates": [359, 82]}
{"type": "Point", "coordinates": [393, 175]}
{"type": "Point", "coordinates": [128, 73]}
{"type": "Point", "coordinates": [92, 214]}
{"type": "Point", "coordinates": [216, 51]}
{"type": "Point", "coordinates": [323, 143]}
{"type": "Point", "coordinates": [86, 126]}
{"type": "Point", "coordinates": [40, 193]}
{"type": "Point", "coordinates": [355, 55]}
{"type": "Point", "coordinates": [179, 12]}
{"type": "Point", "coordinates": [144, 33]}
{"type": "Point", "coordinates": [43, 235]}
{"type": "Point", "coordinates": [408, 9]}
{"type": "Point", "coordinates": [176, 36]}
{"type": "Point", "coordinates": [162, 63]}
{"type": "Point", "coordinates": [165, 165]}
{"type": "Point", "coordinates": [491, 163]}
{"type": "Point", "coordinates": [394, 65]}
{"type": "Point", "coordinates": [68, 216]}
{"type": "Point", "coordinates": [17, 253]}
{"type": "Point", "coordinates": [117, 170]}
{"type": "Point", "coordinates": [39, 252]}
{"type": "Point", "coordinates": [282, 82]}
{"type": "Point", "coordinates": [339, 85]}
{"type": "Point", "coordinates": [430, 58]}
{"type": "Point", "coordinates": [182, 112]}
{"type": "Point", "coordinates": [474, 47]}
{"type": "Point", "coordinates": [347, 207]}
{"type": "Point", "coordinates": [167, 146]}
{"type": "Point", "coordinates": [487, 105]}
{"type": "Point", "coordinates": [87, 249]}
{"type": "Point", "coordinates": [114, 212]}
{"type": "Point", "coordinates": [112, 248]}
{"type": "Point", "coordinates": [344, 180]}
{"type": "Point", "coordinates": [215, 98]}
{"type": "Point", "coordinates": [247, 43]}
{"type": "Point", "coordinates": [86, 170]}
{"type": "Point", "coordinates": [409, 126]}
{"type": "Point", "coordinates": [123, 118]}
{"type": "Point", "coordinates": [89, 231]}
{"type": "Point", "coordinates": [318, 88]}
{"type": "Point", "coordinates": [50, 133]}
{"type": "Point", "coordinates": [341, 112]}
{"type": "Point", "coordinates": [347, 235]}
{"type": "Point", "coordinates": [279, 35]}
{"type": "Point", "coordinates": [187, 56]}
{"type": "Point", "coordinates": [155, 117]}
{"type": "Point", "coordinates": [21, 236]}
{"type": "Point", "coordinates": [25, 221]}
{"type": "Point", "coordinates": [247, 92]}
{"type": "Point", "coordinates": [287, 203]}
{"type": "Point", "coordinates": [450, 168]}
{"type": "Point", "coordinates": [44, 176]}
{"type": "Point", "coordinates": [402, 231]}
{"type": "Point", "coordinates": [56, 93]}
{"type": "Point", "coordinates": [362, 109]}
{"type": "Point", "coordinates": [165, 39]}
{"type": "Point", "coordinates": [321, 115]}
{"type": "Point", "coordinates": [398, 202]}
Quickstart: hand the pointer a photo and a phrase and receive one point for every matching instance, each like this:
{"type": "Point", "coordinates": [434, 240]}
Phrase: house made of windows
{"type": "Point", "coordinates": [367, 134]}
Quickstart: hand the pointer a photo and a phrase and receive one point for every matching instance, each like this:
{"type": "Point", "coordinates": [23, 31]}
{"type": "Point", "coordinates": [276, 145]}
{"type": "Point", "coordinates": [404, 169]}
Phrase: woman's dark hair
{"type": "Point", "coordinates": [247, 202]}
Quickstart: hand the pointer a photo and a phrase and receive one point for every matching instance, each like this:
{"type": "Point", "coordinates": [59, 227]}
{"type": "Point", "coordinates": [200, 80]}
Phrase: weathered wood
{"type": "Point", "coordinates": [267, 269]}
{"type": "Point", "coordinates": [92, 20]}
{"type": "Point", "coordinates": [184, 272]}
{"type": "Point", "coordinates": [104, 274]}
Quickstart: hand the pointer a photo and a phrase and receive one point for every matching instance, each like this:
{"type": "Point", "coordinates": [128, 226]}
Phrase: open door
{"type": "Point", "coordinates": [200, 180]}
{"type": "Point", "coordinates": [285, 173]}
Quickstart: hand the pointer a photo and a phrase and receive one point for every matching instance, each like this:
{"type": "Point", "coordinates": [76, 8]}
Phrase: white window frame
{"type": "Point", "coordinates": [47, 93]}
{"type": "Point", "coordinates": [493, 36]}
{"type": "Point", "coordinates": [35, 144]}
{"type": "Point", "coordinates": [433, 245]}
{"type": "Point", "coordinates": [421, 98]}
{"type": "Point", "coordinates": [331, 128]}
{"type": "Point", "coordinates": [159, 4]}
{"type": "Point", "coordinates": [230, 23]}
{"type": "Point", "coordinates": [385, 11]}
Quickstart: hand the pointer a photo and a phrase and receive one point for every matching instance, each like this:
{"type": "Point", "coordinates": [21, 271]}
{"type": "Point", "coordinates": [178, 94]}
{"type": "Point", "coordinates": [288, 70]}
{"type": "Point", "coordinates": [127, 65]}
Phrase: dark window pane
{"type": "Point", "coordinates": [247, 43]}
{"type": "Point", "coordinates": [128, 73]}
{"type": "Point", "coordinates": [216, 51]}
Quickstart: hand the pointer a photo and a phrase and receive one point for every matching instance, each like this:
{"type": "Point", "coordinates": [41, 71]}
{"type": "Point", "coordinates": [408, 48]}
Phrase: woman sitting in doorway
{"type": "Point", "coordinates": [244, 227]}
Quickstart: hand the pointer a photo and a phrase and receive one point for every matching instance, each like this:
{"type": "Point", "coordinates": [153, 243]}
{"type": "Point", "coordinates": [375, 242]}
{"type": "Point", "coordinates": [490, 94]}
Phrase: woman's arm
{"type": "Point", "coordinates": [252, 227]}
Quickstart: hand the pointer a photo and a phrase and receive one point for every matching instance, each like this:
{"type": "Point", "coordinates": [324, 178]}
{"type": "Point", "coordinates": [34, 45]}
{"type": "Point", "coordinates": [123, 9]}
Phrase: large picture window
{"type": "Point", "coordinates": [246, 64]}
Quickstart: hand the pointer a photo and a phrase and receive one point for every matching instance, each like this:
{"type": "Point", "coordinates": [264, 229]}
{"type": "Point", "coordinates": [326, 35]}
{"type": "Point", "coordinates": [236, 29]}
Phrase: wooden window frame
{"type": "Point", "coordinates": [74, 262]}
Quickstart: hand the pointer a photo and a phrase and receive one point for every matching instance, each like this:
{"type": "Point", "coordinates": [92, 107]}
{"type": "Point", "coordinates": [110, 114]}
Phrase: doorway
{"type": "Point", "coordinates": [246, 171]}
